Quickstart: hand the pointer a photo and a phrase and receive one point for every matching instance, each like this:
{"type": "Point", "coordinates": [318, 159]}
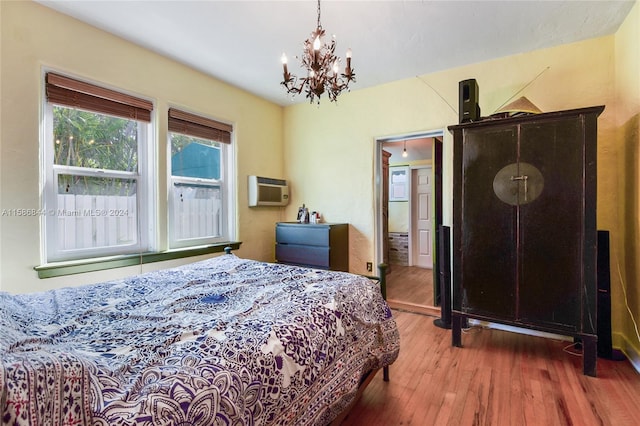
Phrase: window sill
{"type": "Point", "coordinates": [59, 269]}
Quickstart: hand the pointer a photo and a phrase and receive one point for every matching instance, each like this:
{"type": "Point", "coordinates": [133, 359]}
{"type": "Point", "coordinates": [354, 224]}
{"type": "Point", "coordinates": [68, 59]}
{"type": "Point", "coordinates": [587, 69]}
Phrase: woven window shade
{"type": "Point", "coordinates": [198, 126]}
{"type": "Point", "coordinates": [79, 94]}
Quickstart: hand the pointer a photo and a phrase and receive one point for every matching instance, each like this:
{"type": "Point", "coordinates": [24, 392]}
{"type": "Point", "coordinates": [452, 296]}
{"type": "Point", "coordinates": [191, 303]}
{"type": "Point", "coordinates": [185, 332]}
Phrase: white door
{"type": "Point", "coordinates": [421, 218]}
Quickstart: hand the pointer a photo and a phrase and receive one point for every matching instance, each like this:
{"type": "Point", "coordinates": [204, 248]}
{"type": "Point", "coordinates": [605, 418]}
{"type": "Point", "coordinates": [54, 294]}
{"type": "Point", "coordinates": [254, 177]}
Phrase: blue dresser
{"type": "Point", "coordinates": [316, 245]}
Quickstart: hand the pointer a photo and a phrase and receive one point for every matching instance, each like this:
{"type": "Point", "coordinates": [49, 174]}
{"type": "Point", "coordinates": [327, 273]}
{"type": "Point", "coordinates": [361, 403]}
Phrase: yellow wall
{"type": "Point", "coordinates": [625, 255]}
{"type": "Point", "coordinates": [399, 216]}
{"type": "Point", "coordinates": [330, 151]}
{"type": "Point", "coordinates": [34, 37]}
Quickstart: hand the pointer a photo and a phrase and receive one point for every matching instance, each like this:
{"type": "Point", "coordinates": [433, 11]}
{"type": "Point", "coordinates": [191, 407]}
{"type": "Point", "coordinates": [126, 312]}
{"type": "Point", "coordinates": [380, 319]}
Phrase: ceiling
{"type": "Point", "coordinates": [241, 42]}
{"type": "Point", "coordinates": [418, 149]}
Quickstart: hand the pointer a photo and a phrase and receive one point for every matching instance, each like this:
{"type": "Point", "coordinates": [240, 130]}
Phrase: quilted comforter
{"type": "Point", "coordinates": [225, 341]}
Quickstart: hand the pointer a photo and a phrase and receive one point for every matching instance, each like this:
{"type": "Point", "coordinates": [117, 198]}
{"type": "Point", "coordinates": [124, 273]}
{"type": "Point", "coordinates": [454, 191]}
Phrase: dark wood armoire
{"type": "Point", "coordinates": [524, 225]}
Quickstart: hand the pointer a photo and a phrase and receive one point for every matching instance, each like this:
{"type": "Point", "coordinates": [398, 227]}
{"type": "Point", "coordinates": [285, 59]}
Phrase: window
{"type": "Point", "coordinates": [97, 171]}
{"type": "Point", "coordinates": [200, 189]}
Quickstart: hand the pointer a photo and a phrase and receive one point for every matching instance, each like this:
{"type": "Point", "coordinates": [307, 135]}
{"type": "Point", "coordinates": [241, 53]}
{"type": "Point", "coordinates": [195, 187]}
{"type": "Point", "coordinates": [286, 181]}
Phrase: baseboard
{"type": "Point", "coordinates": [621, 342]}
{"type": "Point", "coordinates": [520, 330]}
{"type": "Point", "coordinates": [631, 352]}
{"type": "Point", "coordinates": [432, 311]}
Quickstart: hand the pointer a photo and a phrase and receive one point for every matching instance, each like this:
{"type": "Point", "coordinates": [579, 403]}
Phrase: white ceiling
{"type": "Point", "coordinates": [418, 148]}
{"type": "Point", "coordinates": [241, 42]}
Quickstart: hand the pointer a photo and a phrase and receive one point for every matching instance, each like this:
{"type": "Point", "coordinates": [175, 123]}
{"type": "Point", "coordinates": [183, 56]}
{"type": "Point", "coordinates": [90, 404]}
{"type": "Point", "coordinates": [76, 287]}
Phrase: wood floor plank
{"type": "Point", "coordinates": [496, 378]}
{"type": "Point", "coordinates": [410, 284]}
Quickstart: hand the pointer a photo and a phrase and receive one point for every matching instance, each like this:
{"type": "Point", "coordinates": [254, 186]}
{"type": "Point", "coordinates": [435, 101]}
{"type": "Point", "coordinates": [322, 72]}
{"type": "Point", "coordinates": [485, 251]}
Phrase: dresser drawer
{"type": "Point", "coordinates": [303, 255]}
{"type": "Point", "coordinates": [303, 234]}
{"type": "Point", "coordinates": [318, 245]}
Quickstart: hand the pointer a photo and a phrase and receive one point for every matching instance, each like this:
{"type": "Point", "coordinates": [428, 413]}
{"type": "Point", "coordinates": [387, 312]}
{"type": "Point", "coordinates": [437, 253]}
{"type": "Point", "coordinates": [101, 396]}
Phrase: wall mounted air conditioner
{"type": "Point", "coordinates": [267, 191]}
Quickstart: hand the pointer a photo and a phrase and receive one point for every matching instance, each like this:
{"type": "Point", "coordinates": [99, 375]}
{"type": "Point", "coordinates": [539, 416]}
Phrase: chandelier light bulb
{"type": "Point", "coordinates": [348, 55]}
{"type": "Point", "coordinates": [283, 58]}
{"type": "Point", "coordinates": [316, 43]}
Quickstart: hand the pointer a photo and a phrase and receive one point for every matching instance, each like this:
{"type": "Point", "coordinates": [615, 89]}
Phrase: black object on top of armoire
{"type": "Point", "coordinates": [524, 224]}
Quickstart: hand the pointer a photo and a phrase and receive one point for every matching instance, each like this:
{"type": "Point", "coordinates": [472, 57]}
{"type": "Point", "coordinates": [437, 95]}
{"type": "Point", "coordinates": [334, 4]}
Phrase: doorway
{"type": "Point", "coordinates": [410, 223]}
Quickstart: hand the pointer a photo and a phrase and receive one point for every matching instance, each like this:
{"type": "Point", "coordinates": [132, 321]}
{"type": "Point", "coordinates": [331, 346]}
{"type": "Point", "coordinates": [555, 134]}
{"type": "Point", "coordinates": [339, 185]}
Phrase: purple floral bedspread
{"type": "Point", "coordinates": [225, 341]}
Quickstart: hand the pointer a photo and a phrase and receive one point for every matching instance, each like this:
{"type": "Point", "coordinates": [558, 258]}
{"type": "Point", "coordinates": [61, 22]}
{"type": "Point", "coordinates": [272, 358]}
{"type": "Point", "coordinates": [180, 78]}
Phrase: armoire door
{"type": "Point", "coordinates": [489, 246]}
{"type": "Point", "coordinates": [552, 225]}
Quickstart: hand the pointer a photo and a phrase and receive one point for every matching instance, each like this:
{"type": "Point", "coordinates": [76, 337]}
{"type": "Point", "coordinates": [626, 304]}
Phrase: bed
{"type": "Point", "coordinates": [224, 341]}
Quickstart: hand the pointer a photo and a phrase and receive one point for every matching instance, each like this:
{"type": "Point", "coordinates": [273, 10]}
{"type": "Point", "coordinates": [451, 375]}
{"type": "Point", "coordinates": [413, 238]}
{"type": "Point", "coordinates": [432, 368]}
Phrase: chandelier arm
{"type": "Point", "coordinates": [321, 63]}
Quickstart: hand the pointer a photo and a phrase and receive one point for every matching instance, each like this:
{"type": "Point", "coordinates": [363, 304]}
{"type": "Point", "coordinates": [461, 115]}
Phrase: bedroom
{"type": "Point", "coordinates": [601, 71]}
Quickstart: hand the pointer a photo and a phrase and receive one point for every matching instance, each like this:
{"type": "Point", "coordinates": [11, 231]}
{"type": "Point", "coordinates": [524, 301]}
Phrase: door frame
{"type": "Point", "coordinates": [437, 161]}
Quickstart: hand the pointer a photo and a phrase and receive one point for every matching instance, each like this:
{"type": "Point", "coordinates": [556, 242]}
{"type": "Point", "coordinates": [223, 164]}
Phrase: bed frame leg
{"type": "Point", "coordinates": [382, 271]}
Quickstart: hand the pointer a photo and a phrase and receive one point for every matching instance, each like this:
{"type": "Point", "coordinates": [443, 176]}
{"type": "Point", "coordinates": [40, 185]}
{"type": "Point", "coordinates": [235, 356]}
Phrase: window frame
{"type": "Point", "coordinates": [146, 226]}
{"type": "Point", "coordinates": [226, 183]}
{"type": "Point", "coordinates": [153, 241]}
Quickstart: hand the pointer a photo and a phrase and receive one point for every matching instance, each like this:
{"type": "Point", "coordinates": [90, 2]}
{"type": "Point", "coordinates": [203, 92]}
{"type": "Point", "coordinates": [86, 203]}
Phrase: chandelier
{"type": "Point", "coordinates": [322, 65]}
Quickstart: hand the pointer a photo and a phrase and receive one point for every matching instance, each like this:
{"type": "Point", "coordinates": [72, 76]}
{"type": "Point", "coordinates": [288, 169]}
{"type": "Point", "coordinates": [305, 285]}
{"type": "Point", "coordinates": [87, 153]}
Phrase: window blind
{"type": "Point", "coordinates": [198, 126]}
{"type": "Point", "coordinates": [74, 93]}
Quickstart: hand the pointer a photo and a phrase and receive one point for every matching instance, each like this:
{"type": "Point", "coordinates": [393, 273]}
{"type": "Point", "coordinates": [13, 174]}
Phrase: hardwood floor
{"type": "Point", "coordinates": [497, 378]}
{"type": "Point", "coordinates": [410, 284]}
